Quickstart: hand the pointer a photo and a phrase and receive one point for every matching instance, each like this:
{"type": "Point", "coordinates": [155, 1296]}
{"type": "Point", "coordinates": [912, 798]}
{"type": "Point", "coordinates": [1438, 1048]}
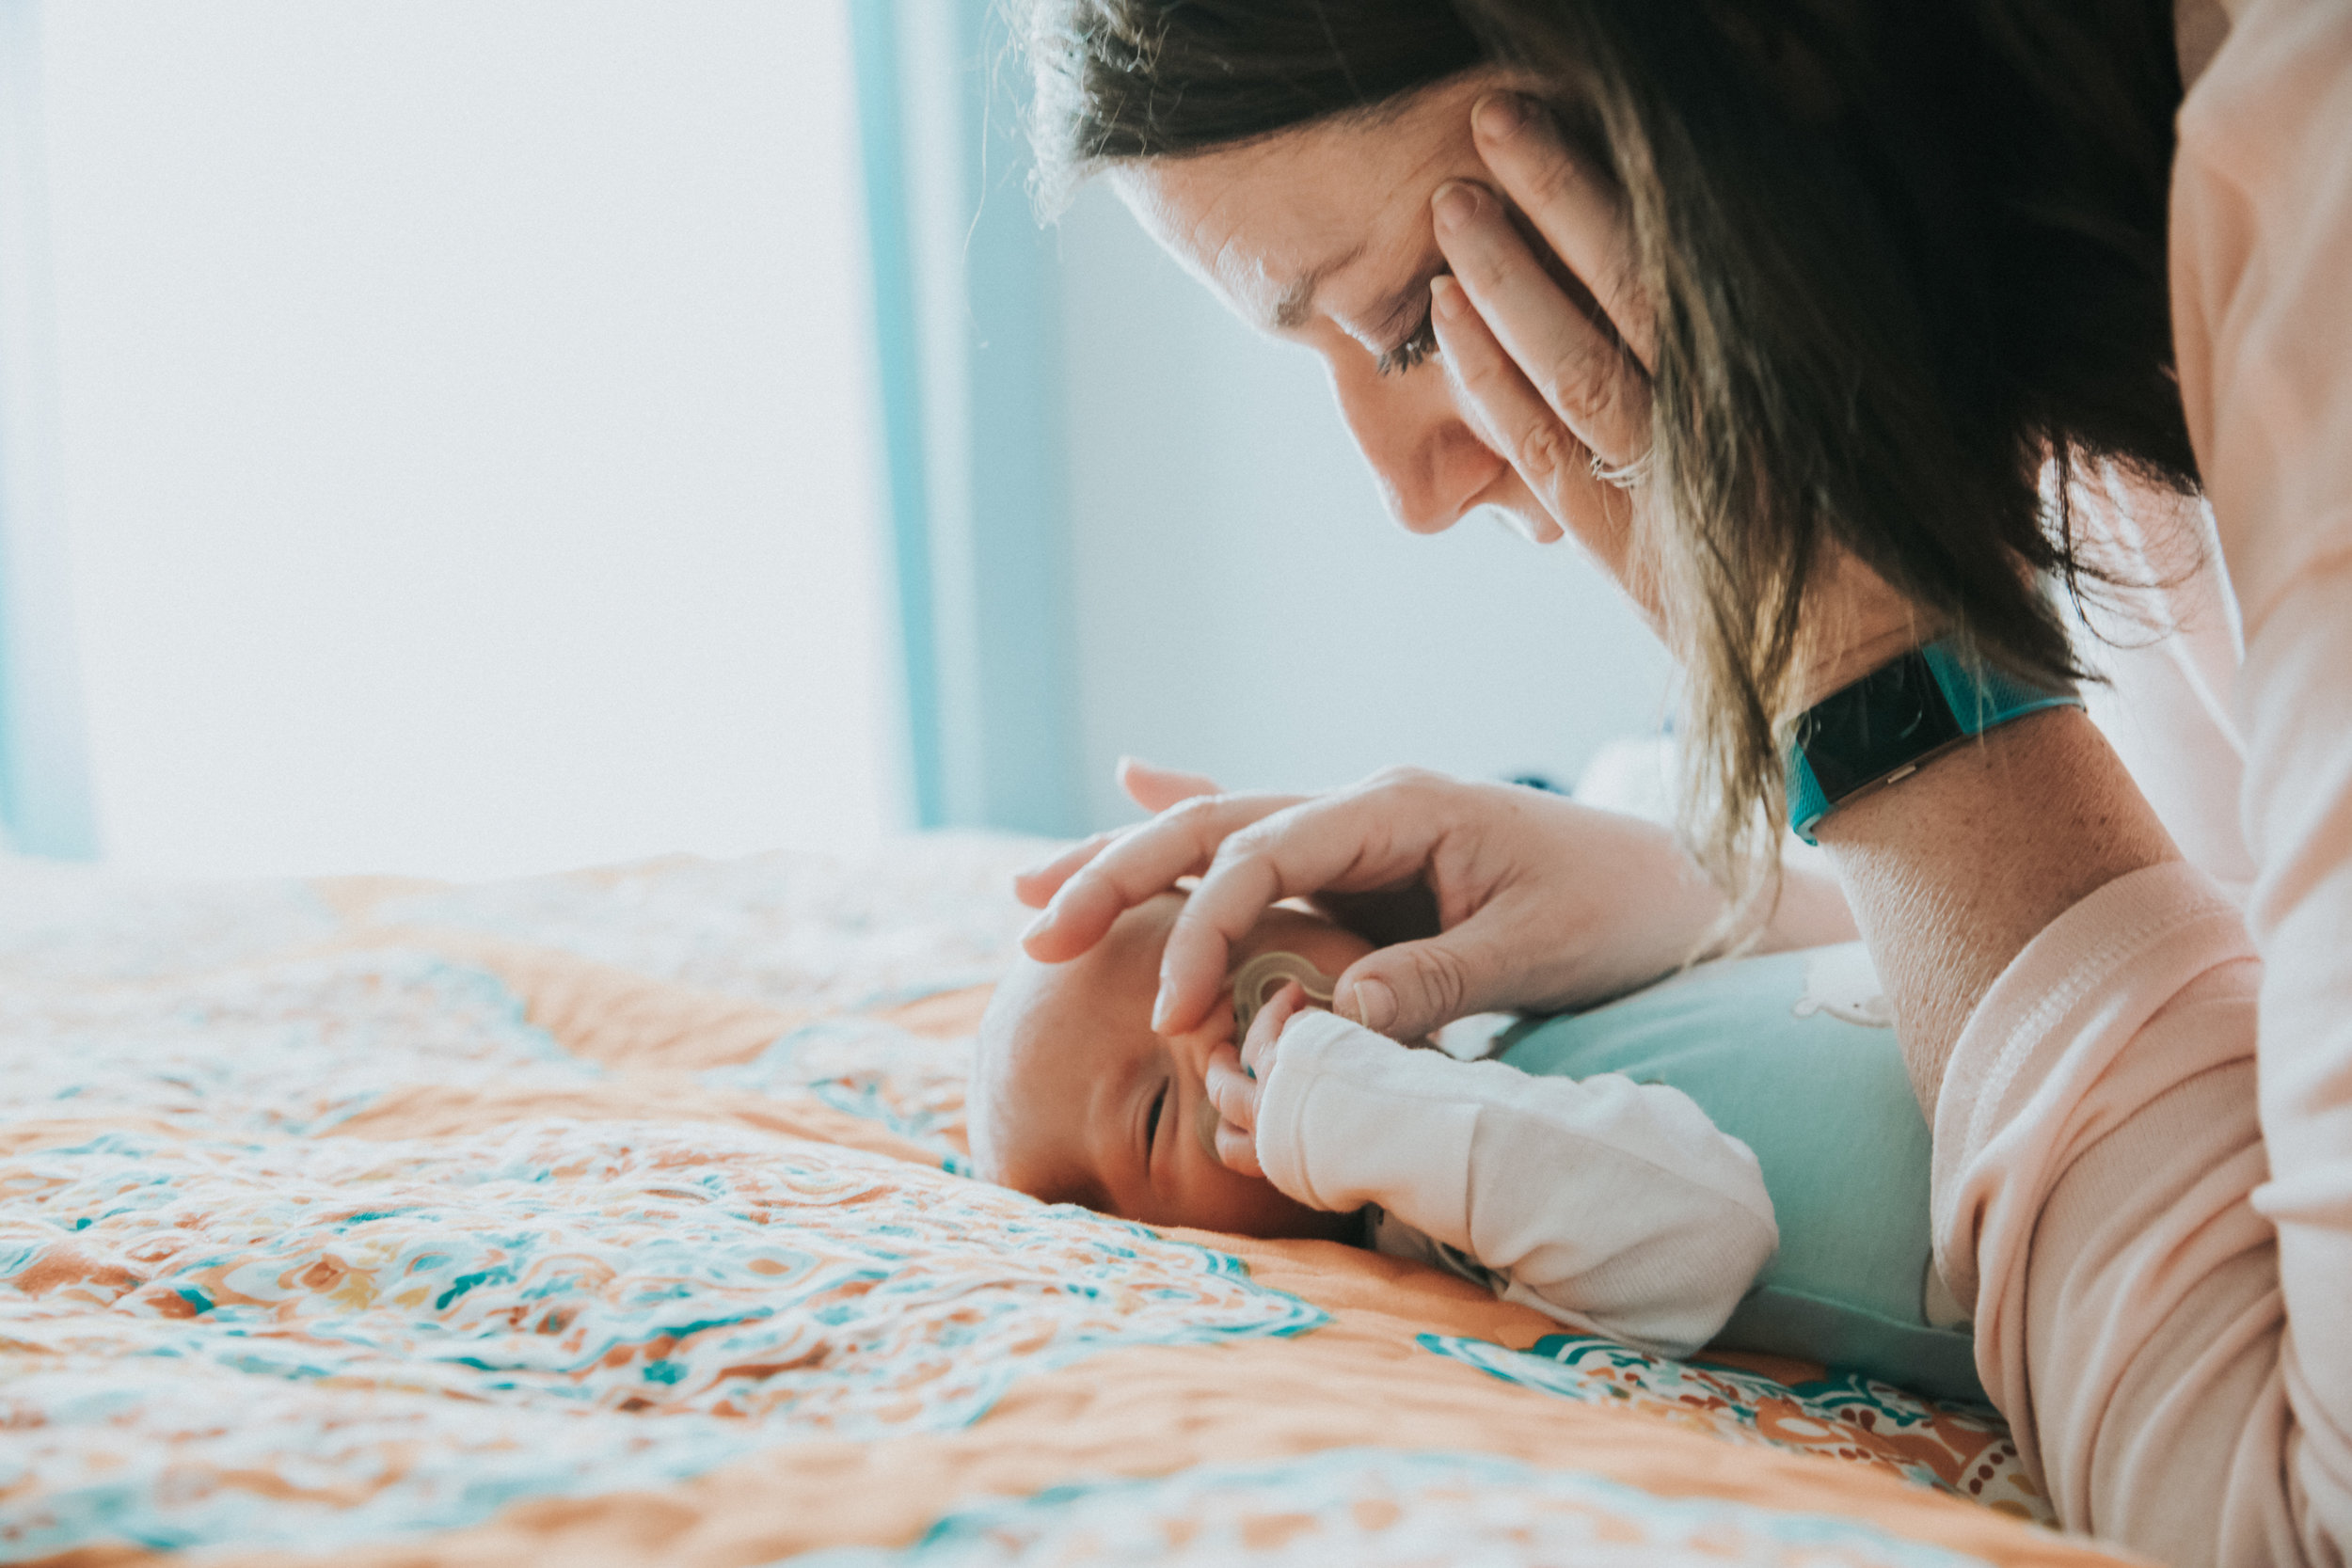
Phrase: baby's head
{"type": "Point", "coordinates": [1075, 1099]}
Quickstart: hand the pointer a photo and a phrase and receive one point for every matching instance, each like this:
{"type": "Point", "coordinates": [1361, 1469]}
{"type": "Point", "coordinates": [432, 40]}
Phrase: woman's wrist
{"type": "Point", "coordinates": [1823, 677]}
{"type": "Point", "coordinates": [1855, 624]}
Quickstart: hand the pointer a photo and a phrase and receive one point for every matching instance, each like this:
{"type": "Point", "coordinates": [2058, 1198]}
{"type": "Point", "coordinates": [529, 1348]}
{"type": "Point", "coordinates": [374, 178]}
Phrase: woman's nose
{"type": "Point", "coordinates": [1431, 467]}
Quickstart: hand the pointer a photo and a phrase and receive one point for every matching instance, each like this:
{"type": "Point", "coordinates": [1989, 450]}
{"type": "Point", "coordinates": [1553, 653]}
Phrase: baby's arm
{"type": "Point", "coordinates": [1614, 1207]}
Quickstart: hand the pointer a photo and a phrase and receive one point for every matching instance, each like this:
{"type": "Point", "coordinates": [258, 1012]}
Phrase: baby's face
{"type": "Point", "coordinates": [1075, 1099]}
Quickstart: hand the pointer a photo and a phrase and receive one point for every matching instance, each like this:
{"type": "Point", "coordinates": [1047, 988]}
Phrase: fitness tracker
{"type": "Point", "coordinates": [1879, 730]}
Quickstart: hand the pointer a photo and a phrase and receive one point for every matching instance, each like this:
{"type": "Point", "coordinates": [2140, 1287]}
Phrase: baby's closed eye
{"type": "Point", "coordinates": [1162, 1102]}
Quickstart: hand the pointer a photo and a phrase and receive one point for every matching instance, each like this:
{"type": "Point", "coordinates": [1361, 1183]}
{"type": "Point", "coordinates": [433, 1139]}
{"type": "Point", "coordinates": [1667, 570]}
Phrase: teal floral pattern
{"type": "Point", "coordinates": [315, 1234]}
{"type": "Point", "coordinates": [1370, 1508]}
{"type": "Point", "coordinates": [1961, 1448]}
{"type": "Point", "coordinates": [229, 1318]}
{"type": "Point", "coordinates": [414, 1317]}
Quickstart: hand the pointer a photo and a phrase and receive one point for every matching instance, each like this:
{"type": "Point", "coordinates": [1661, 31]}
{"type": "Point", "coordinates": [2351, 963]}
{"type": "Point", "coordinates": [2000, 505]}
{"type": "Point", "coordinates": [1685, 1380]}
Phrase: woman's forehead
{"type": "Point", "coordinates": [1325, 215]}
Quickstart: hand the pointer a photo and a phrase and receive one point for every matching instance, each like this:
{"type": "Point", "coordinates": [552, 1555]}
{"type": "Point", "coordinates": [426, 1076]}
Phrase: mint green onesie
{"type": "Point", "coordinates": [1792, 1054]}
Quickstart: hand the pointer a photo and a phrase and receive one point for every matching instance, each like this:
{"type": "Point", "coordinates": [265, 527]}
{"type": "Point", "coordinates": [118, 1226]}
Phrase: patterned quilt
{"type": "Point", "coordinates": [621, 1216]}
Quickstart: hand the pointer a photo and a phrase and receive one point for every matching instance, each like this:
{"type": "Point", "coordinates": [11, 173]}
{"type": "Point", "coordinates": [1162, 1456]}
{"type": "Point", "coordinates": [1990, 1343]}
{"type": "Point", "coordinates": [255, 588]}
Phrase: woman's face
{"type": "Point", "coordinates": [1322, 235]}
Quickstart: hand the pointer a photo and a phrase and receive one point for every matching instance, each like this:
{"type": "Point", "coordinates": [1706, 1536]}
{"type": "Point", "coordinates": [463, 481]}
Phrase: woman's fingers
{"type": "Point", "coordinates": [1136, 864]}
{"type": "Point", "coordinates": [1035, 885]}
{"type": "Point", "coordinates": [1411, 991]}
{"type": "Point", "coordinates": [1374, 835]}
{"type": "Point", "coordinates": [1148, 785]}
{"type": "Point", "coordinates": [1518, 423]}
{"type": "Point", "coordinates": [1579, 370]}
{"type": "Point", "coordinates": [1155, 789]}
{"type": "Point", "coordinates": [1579, 217]}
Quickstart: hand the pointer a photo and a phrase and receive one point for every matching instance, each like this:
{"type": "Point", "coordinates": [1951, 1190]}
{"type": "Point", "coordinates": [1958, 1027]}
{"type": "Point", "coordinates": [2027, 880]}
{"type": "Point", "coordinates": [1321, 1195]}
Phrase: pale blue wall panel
{"type": "Point", "coordinates": [967, 308]}
{"type": "Point", "coordinates": [45, 800]}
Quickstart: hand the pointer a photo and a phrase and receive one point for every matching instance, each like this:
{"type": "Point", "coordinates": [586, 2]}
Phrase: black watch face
{"type": "Point", "coordinates": [1890, 717]}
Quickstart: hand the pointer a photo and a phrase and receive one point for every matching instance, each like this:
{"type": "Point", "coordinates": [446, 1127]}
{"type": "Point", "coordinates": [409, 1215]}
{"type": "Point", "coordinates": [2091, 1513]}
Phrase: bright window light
{"type": "Point", "coordinates": [466, 436]}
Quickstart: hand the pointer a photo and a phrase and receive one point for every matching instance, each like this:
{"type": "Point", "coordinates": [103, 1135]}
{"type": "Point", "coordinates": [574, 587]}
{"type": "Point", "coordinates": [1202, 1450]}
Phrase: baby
{"type": "Point", "coordinates": [1616, 1207]}
{"type": "Point", "coordinates": [1577, 1173]}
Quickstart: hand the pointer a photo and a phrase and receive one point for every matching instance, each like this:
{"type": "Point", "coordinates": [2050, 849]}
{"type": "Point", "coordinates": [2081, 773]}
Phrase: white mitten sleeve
{"type": "Point", "coordinates": [1615, 1207]}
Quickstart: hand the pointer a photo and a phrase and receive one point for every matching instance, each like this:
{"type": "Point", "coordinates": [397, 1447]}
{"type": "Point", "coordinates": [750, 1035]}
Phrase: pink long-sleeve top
{"type": "Point", "coordinates": [2143, 1142]}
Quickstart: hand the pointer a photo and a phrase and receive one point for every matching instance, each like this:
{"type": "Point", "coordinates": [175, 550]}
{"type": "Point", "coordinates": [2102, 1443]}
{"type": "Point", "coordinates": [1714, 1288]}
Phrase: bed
{"type": "Point", "coordinates": [620, 1217]}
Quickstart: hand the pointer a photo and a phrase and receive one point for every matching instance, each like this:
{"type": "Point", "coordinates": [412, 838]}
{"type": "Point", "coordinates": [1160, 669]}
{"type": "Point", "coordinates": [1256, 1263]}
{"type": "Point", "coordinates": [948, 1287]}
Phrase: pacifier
{"type": "Point", "coordinates": [1255, 982]}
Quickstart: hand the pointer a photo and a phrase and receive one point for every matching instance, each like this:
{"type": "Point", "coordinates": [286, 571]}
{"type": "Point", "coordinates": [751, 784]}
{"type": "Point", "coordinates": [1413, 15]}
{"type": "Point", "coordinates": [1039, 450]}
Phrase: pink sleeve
{"type": "Point", "coordinates": [2144, 1141]}
{"type": "Point", "coordinates": [2262, 293]}
{"type": "Point", "coordinates": [2262, 297]}
{"type": "Point", "coordinates": [2096, 1155]}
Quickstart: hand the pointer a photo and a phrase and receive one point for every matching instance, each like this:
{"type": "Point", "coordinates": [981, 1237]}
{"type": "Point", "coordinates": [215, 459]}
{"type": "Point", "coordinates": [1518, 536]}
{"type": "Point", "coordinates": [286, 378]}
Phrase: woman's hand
{"type": "Point", "coordinates": [1072, 926]}
{"type": "Point", "coordinates": [1559, 384]}
{"type": "Point", "coordinates": [1551, 355]}
{"type": "Point", "coordinates": [1538, 902]}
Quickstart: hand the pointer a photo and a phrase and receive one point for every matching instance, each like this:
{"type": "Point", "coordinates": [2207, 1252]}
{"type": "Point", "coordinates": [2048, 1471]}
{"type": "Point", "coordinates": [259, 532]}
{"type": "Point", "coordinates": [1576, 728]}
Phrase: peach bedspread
{"type": "Point", "coordinates": [617, 1218]}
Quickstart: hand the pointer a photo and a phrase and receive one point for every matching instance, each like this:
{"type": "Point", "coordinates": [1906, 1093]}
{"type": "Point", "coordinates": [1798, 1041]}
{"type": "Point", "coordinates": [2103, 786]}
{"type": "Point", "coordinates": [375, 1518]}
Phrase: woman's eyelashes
{"type": "Point", "coordinates": [1416, 348]}
{"type": "Point", "coordinates": [1422, 341]}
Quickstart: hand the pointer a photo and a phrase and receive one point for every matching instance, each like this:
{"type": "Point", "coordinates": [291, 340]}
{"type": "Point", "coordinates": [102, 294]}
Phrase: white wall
{"type": "Point", "coordinates": [465, 430]}
{"type": "Point", "coordinates": [465, 452]}
{"type": "Point", "coordinates": [1247, 610]}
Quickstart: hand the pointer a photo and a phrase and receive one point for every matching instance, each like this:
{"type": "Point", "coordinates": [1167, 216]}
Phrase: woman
{"type": "Point", "coordinates": [1840, 334]}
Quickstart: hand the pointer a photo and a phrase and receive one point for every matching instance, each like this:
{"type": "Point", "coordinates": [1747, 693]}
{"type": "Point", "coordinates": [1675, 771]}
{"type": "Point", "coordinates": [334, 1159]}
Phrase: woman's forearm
{"type": "Point", "coordinates": [1952, 872]}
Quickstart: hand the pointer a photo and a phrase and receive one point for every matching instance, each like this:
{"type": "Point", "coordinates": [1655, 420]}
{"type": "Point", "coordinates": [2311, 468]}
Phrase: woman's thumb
{"type": "Point", "coordinates": [1413, 989]}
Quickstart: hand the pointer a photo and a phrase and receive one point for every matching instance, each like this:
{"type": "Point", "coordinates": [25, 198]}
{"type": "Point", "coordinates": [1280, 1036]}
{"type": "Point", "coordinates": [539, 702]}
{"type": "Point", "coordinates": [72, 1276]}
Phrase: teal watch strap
{"type": "Point", "coordinates": [1806, 803]}
{"type": "Point", "coordinates": [1880, 729]}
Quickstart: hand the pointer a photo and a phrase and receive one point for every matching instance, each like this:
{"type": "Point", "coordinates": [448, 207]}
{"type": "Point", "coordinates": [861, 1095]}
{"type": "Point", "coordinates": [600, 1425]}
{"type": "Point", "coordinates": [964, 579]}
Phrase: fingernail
{"type": "Point", "coordinates": [1371, 1004]}
{"type": "Point", "coordinates": [1455, 204]}
{"type": "Point", "coordinates": [1446, 297]}
{"type": "Point", "coordinates": [1499, 115]}
{"type": "Point", "coordinates": [1044, 919]}
{"type": "Point", "coordinates": [1160, 1010]}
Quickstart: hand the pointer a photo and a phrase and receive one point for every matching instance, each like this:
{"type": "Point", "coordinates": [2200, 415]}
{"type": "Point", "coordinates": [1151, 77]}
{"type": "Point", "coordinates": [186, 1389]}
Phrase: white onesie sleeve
{"type": "Point", "coordinates": [1615, 1207]}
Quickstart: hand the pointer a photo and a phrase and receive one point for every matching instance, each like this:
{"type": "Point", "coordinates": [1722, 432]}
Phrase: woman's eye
{"type": "Point", "coordinates": [1409, 354]}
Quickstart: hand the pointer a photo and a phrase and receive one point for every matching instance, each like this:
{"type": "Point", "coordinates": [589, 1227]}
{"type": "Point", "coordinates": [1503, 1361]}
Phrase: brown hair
{"type": "Point", "coordinates": [1121, 80]}
{"type": "Point", "coordinates": [1902, 258]}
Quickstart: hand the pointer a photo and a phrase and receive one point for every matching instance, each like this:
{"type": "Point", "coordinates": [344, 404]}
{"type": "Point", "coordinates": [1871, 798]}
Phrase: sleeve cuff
{"type": "Point", "coordinates": [1331, 1133]}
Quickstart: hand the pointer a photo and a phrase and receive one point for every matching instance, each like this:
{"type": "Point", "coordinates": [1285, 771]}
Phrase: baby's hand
{"type": "Point", "coordinates": [1234, 1078]}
